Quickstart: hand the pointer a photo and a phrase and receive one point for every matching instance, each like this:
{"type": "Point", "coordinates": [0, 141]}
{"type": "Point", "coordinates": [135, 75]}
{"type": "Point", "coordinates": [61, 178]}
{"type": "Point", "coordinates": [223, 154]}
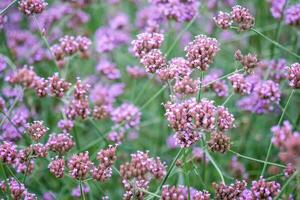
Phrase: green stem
{"type": "Point", "coordinates": [170, 168]}
{"type": "Point", "coordinates": [215, 165]}
{"type": "Point", "coordinates": [81, 190]}
{"type": "Point", "coordinates": [149, 193]}
{"type": "Point", "coordinates": [279, 122]}
{"type": "Point", "coordinates": [7, 7]}
{"type": "Point", "coordinates": [153, 97]}
{"type": "Point", "coordinates": [222, 77]}
{"type": "Point", "coordinates": [200, 87]}
{"type": "Point", "coordinates": [276, 43]}
{"type": "Point", "coordinates": [286, 184]}
{"type": "Point", "coordinates": [256, 160]}
{"type": "Point", "coordinates": [180, 35]}
{"type": "Point", "coordinates": [45, 41]}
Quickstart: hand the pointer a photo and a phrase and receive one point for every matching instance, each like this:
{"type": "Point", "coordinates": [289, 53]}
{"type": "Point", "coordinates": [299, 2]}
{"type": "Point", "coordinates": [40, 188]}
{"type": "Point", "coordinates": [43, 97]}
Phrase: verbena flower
{"type": "Point", "coordinates": [201, 51]}
{"type": "Point", "coordinates": [291, 15]}
{"type": "Point", "coordinates": [30, 7]}
{"type": "Point", "coordinates": [79, 165]}
{"type": "Point", "coordinates": [294, 75]}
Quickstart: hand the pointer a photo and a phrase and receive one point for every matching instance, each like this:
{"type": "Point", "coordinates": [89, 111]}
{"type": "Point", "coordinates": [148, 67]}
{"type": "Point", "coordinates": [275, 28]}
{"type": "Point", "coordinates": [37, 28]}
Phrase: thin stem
{"type": "Point", "coordinates": [98, 131]}
{"type": "Point", "coordinates": [170, 168]}
{"type": "Point", "coordinates": [228, 98]}
{"type": "Point", "coordinates": [5, 179]}
{"type": "Point", "coordinates": [81, 190]}
{"type": "Point", "coordinates": [279, 122]}
{"type": "Point", "coordinates": [216, 166]}
{"type": "Point", "coordinates": [222, 77]}
{"type": "Point", "coordinates": [7, 7]}
{"type": "Point", "coordinates": [278, 29]}
{"type": "Point", "coordinates": [153, 97]}
{"type": "Point", "coordinates": [256, 160]}
{"type": "Point", "coordinates": [45, 41]}
{"type": "Point", "coordinates": [149, 193]}
{"type": "Point", "coordinates": [286, 184]}
{"type": "Point", "coordinates": [276, 43]}
{"type": "Point", "coordinates": [180, 35]}
{"type": "Point", "coordinates": [200, 87]}
{"type": "Point", "coordinates": [10, 121]}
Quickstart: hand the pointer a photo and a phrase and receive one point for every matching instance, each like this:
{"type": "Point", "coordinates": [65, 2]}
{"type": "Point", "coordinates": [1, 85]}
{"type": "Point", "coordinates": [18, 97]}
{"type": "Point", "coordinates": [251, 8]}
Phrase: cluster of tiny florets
{"type": "Point", "coordinates": [36, 130]}
{"type": "Point", "coordinates": [219, 142]}
{"type": "Point", "coordinates": [31, 7]}
{"type": "Point", "coordinates": [201, 51]}
{"type": "Point", "coordinates": [249, 61]}
{"type": "Point", "coordinates": [242, 17]}
{"type": "Point", "coordinates": [106, 158]}
{"type": "Point", "coordinates": [240, 84]}
{"type": "Point", "coordinates": [294, 75]}
{"type": "Point", "coordinates": [230, 192]}
{"type": "Point", "coordinates": [57, 167]}
{"type": "Point", "coordinates": [263, 189]}
{"type": "Point", "coordinates": [60, 143]}
{"type": "Point", "coordinates": [79, 165]}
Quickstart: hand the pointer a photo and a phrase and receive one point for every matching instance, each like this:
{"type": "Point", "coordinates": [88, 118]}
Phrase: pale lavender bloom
{"type": "Point", "coordinates": [292, 15]}
{"type": "Point", "coordinates": [277, 7]}
{"type": "Point", "coordinates": [171, 142]}
{"type": "Point", "coordinates": [149, 19]}
{"type": "Point", "coordinates": [119, 22]}
{"type": "Point", "coordinates": [108, 69]}
{"type": "Point", "coordinates": [77, 193]}
{"type": "Point", "coordinates": [3, 63]}
{"type": "Point", "coordinates": [176, 9]}
{"type": "Point", "coordinates": [128, 114]}
{"type": "Point", "coordinates": [48, 196]}
{"type": "Point", "coordinates": [107, 39]}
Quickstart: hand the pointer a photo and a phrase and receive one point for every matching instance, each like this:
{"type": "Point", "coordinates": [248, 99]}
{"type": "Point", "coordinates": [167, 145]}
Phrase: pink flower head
{"type": "Point", "coordinates": [146, 42]}
{"type": "Point", "coordinates": [201, 51]}
{"type": "Point", "coordinates": [30, 7]}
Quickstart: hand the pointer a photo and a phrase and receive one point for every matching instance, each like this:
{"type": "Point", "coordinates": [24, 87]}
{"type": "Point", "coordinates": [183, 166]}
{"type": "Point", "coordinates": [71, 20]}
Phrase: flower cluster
{"type": "Point", "coordinates": [137, 173]}
{"type": "Point", "coordinates": [182, 193]}
{"type": "Point", "coordinates": [79, 165]}
{"type": "Point", "coordinates": [106, 158]}
{"type": "Point", "coordinates": [287, 141]}
{"type": "Point", "coordinates": [201, 51]}
{"type": "Point", "coordinates": [239, 15]}
{"type": "Point", "coordinates": [240, 84]}
{"type": "Point", "coordinates": [31, 7]}
{"type": "Point", "coordinates": [186, 117]}
{"type": "Point", "coordinates": [233, 191]}
{"type": "Point", "coordinates": [36, 130]}
{"type": "Point", "coordinates": [176, 9]}
{"type": "Point", "coordinates": [291, 15]}
{"type": "Point", "coordinates": [294, 75]}
{"type": "Point", "coordinates": [262, 189]}
{"type": "Point", "coordinates": [69, 45]}
{"type": "Point", "coordinates": [249, 61]}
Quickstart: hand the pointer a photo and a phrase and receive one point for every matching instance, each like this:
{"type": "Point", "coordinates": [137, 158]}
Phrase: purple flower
{"type": "Point", "coordinates": [292, 15]}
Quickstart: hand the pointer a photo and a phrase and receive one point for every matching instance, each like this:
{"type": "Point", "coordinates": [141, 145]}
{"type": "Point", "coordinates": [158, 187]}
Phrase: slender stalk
{"type": "Point", "coordinates": [170, 168]}
{"type": "Point", "coordinates": [200, 87]}
{"type": "Point", "coordinates": [10, 121]}
{"type": "Point", "coordinates": [279, 122]}
{"type": "Point", "coordinates": [222, 77]}
{"type": "Point", "coordinates": [227, 99]}
{"type": "Point", "coordinates": [7, 7]}
{"type": "Point", "coordinates": [81, 190]}
{"type": "Point", "coordinates": [180, 35]}
{"type": "Point", "coordinates": [45, 41]}
{"type": "Point", "coordinates": [149, 193]}
{"type": "Point", "coordinates": [153, 97]}
{"type": "Point", "coordinates": [276, 43]}
{"type": "Point", "coordinates": [216, 166]}
{"type": "Point", "coordinates": [278, 29]}
{"type": "Point", "coordinates": [286, 184]}
{"type": "Point", "coordinates": [5, 179]}
{"type": "Point", "coordinates": [98, 131]}
{"type": "Point", "coordinates": [256, 160]}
